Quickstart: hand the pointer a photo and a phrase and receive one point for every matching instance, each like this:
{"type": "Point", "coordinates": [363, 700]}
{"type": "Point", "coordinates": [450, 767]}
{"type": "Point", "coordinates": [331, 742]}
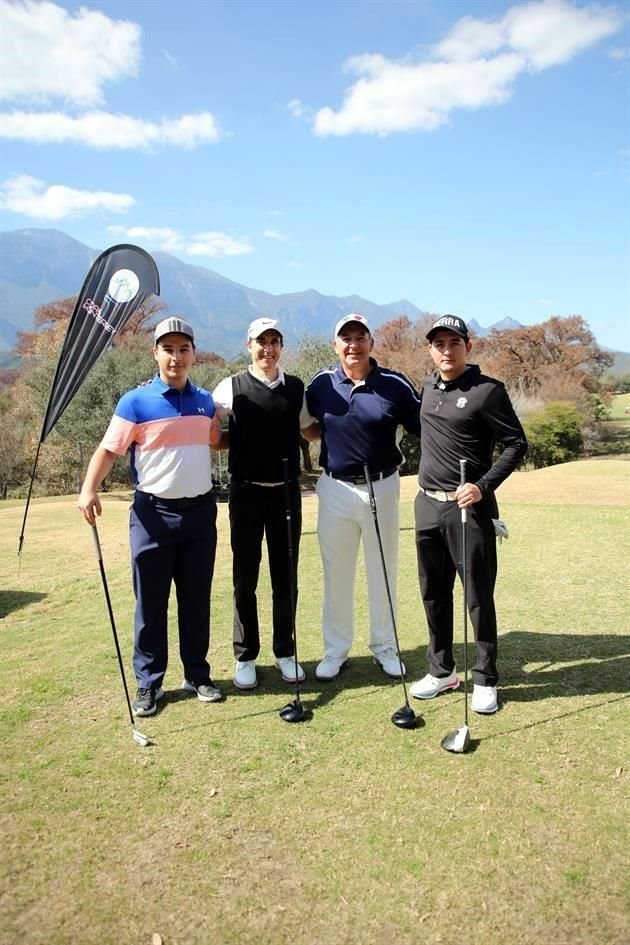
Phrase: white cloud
{"type": "Point", "coordinates": [355, 239]}
{"type": "Point", "coordinates": [33, 198]}
{"type": "Point", "coordinates": [217, 244]}
{"type": "Point", "coordinates": [105, 131]}
{"type": "Point", "coordinates": [295, 108]}
{"type": "Point", "coordinates": [619, 53]}
{"type": "Point", "coordinates": [474, 66]}
{"type": "Point", "coordinates": [170, 58]}
{"type": "Point", "coordinates": [275, 235]}
{"type": "Point", "coordinates": [545, 302]}
{"type": "Point", "coordinates": [168, 240]}
{"type": "Point", "coordinates": [294, 264]}
{"type": "Point", "coordinates": [158, 237]}
{"type": "Point", "coordinates": [48, 52]}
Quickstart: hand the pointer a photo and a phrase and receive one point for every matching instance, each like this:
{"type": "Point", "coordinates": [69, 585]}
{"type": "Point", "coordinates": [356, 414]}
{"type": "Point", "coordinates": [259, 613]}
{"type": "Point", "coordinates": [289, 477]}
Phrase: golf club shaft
{"type": "Point", "coordinates": [462, 480]}
{"type": "Point", "coordinates": [287, 504]}
{"type": "Point", "coordinates": [389, 596]}
{"type": "Point", "coordinates": [99, 555]}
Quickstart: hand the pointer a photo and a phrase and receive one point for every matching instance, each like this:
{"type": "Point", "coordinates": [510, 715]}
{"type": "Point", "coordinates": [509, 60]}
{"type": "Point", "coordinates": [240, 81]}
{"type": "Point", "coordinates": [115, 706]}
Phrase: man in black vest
{"type": "Point", "coordinates": [266, 411]}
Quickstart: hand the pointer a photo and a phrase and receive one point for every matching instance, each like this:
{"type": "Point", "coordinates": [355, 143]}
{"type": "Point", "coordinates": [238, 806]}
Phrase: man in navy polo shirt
{"type": "Point", "coordinates": [168, 426]}
{"type": "Point", "coordinates": [464, 414]}
{"type": "Point", "coordinates": [360, 407]}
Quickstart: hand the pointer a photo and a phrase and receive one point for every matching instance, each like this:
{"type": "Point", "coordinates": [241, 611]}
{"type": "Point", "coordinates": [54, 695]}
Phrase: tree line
{"type": "Point", "coordinates": [554, 372]}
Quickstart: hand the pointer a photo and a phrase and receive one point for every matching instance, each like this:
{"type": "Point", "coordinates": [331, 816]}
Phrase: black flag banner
{"type": "Point", "coordinates": [120, 279]}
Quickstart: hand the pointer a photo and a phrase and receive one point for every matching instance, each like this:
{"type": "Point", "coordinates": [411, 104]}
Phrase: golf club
{"type": "Point", "coordinates": [137, 736]}
{"type": "Point", "coordinates": [458, 741]}
{"type": "Point", "coordinates": [404, 717]}
{"type": "Point", "coordinates": [292, 711]}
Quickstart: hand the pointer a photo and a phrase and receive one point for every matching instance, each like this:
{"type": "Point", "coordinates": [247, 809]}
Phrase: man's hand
{"type": "Point", "coordinates": [89, 504]}
{"type": "Point", "coordinates": [468, 494]}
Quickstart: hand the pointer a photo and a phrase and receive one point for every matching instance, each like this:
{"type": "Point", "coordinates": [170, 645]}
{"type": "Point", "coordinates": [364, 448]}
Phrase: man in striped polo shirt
{"type": "Point", "coordinates": [169, 426]}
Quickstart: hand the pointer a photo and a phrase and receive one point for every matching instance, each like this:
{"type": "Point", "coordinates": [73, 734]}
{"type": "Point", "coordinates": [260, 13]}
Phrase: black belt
{"type": "Point", "coordinates": [186, 502]}
{"type": "Point", "coordinates": [361, 480]}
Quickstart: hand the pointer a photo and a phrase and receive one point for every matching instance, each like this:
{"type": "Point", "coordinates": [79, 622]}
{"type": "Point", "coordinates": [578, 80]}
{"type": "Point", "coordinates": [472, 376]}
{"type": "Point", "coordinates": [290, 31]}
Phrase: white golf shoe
{"type": "Point", "coordinates": [484, 699]}
{"type": "Point", "coordinates": [286, 665]}
{"type": "Point", "coordinates": [329, 668]}
{"type": "Point", "coordinates": [390, 664]}
{"type": "Point", "coordinates": [431, 686]}
{"type": "Point", "coordinates": [245, 674]}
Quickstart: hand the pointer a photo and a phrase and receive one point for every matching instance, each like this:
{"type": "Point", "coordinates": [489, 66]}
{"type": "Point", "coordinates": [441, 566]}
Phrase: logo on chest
{"type": "Point", "coordinates": [461, 402]}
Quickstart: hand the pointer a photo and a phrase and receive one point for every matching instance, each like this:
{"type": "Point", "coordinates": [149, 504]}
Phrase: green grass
{"type": "Point", "coordinates": [235, 828]}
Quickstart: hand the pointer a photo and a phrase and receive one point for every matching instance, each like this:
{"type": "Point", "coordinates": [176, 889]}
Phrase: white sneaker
{"type": "Point", "coordinates": [430, 686]}
{"type": "Point", "coordinates": [329, 668]}
{"type": "Point", "coordinates": [245, 674]}
{"type": "Point", "coordinates": [390, 663]}
{"type": "Point", "coordinates": [286, 665]}
{"type": "Point", "coordinates": [484, 699]}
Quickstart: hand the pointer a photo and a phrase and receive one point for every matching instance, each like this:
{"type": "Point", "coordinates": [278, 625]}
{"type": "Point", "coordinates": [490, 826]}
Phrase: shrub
{"type": "Point", "coordinates": [554, 433]}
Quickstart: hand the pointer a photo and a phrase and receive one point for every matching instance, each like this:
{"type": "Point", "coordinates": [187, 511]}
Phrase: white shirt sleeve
{"type": "Point", "coordinates": [223, 396]}
{"type": "Point", "coordinates": [305, 417]}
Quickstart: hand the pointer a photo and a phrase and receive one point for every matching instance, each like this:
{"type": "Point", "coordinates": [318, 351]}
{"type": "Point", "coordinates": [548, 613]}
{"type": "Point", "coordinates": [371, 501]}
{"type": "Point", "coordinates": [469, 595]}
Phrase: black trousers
{"type": "Point", "coordinates": [172, 544]}
{"type": "Point", "coordinates": [257, 512]}
{"type": "Point", "coordinates": [439, 551]}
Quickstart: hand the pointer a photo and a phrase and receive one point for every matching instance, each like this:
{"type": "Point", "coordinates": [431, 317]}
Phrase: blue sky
{"type": "Point", "coordinates": [473, 157]}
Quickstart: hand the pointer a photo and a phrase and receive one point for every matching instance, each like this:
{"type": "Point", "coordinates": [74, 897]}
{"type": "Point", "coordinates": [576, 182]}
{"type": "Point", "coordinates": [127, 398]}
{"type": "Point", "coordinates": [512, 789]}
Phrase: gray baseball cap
{"type": "Point", "coordinates": [172, 325]}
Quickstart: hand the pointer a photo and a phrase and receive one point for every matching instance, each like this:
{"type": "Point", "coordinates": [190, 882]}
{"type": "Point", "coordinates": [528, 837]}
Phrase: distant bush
{"type": "Point", "coordinates": [554, 433]}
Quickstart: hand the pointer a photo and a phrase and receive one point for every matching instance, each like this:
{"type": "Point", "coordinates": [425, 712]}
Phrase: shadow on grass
{"type": "Point", "coordinates": [15, 600]}
{"type": "Point", "coordinates": [536, 666]}
{"type": "Point", "coordinates": [361, 676]}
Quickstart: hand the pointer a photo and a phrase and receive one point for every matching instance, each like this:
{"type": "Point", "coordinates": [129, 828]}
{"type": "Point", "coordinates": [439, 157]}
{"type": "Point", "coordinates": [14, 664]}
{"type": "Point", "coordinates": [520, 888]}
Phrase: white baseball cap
{"type": "Point", "coordinates": [173, 325]}
{"type": "Point", "coordinates": [260, 325]}
{"type": "Point", "coordinates": [360, 319]}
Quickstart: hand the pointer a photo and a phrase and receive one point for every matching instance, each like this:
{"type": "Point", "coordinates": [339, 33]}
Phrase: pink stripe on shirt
{"type": "Point", "coordinates": [160, 434]}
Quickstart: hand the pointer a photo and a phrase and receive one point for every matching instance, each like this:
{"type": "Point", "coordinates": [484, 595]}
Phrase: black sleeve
{"type": "Point", "coordinates": [410, 413]}
{"type": "Point", "coordinates": [498, 413]}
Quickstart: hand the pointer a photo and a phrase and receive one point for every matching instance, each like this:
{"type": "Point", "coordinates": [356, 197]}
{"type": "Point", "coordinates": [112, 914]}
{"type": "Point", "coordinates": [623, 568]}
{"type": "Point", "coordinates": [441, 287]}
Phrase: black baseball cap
{"type": "Point", "coordinates": [449, 323]}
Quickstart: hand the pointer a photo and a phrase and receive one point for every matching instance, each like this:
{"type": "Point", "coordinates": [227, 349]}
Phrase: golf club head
{"type": "Point", "coordinates": [405, 717]}
{"type": "Point", "coordinates": [457, 741]}
{"type": "Point", "coordinates": [141, 739]}
{"type": "Point", "coordinates": [292, 712]}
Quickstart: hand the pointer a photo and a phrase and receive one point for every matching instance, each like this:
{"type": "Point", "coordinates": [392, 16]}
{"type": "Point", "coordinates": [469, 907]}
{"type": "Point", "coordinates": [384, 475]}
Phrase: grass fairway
{"type": "Point", "coordinates": [235, 828]}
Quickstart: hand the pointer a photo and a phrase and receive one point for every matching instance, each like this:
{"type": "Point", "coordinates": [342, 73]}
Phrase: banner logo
{"type": "Point", "coordinates": [123, 285]}
{"type": "Point", "coordinates": [92, 309]}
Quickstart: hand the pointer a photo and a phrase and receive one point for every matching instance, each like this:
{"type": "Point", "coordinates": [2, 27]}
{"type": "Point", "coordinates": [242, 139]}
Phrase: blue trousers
{"type": "Point", "coordinates": [172, 541]}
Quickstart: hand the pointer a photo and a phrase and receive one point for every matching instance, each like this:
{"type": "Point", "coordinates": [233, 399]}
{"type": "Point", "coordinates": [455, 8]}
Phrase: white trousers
{"type": "Point", "coordinates": [344, 518]}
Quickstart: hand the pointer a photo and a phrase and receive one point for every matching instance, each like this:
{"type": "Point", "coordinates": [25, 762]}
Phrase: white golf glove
{"type": "Point", "coordinates": [501, 529]}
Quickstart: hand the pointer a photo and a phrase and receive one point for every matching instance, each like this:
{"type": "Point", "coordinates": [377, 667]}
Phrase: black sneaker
{"type": "Point", "coordinates": [146, 700]}
{"type": "Point", "coordinates": [206, 691]}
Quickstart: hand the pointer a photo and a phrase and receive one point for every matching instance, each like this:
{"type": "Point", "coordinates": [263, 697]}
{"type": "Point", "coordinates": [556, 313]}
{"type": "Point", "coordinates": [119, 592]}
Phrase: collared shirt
{"type": "Point", "coordinates": [169, 433]}
{"type": "Point", "coordinates": [464, 419]}
{"type": "Point", "coordinates": [359, 421]}
{"type": "Point", "coordinates": [223, 394]}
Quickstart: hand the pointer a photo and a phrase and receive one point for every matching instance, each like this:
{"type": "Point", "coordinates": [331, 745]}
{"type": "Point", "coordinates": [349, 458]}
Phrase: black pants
{"type": "Point", "coordinates": [257, 511]}
{"type": "Point", "coordinates": [439, 551]}
{"type": "Point", "coordinates": [172, 544]}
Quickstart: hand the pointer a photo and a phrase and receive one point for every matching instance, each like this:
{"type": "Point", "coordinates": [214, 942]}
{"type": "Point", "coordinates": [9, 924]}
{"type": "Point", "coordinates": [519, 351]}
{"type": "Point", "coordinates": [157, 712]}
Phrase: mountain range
{"type": "Point", "coordinates": [41, 265]}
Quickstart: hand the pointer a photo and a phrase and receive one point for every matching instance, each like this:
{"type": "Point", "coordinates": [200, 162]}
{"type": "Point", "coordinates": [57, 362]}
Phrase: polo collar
{"type": "Point", "coordinates": [163, 388]}
{"type": "Point", "coordinates": [343, 378]}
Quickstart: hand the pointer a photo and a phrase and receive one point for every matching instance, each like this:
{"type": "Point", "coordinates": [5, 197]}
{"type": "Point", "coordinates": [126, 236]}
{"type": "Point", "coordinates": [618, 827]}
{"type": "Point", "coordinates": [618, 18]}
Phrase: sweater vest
{"type": "Point", "coordinates": [264, 428]}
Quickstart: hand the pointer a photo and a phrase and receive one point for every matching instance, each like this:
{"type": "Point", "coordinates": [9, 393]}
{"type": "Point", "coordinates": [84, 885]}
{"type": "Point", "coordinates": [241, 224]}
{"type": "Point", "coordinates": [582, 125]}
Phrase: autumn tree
{"type": "Point", "coordinates": [555, 359]}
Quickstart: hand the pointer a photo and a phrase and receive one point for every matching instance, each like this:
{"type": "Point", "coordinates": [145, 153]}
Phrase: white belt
{"type": "Point", "coordinates": [437, 494]}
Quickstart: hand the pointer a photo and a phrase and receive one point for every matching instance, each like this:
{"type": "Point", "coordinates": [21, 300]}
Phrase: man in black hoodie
{"type": "Point", "coordinates": [464, 414]}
